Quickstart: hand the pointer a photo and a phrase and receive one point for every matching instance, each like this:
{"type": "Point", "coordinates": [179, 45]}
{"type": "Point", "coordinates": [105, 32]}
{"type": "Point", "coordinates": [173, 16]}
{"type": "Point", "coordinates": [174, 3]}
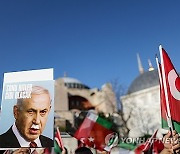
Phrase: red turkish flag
{"type": "Point", "coordinates": [172, 80]}
{"type": "Point", "coordinates": [96, 132]}
{"type": "Point", "coordinates": [162, 98]}
{"type": "Point", "coordinates": [152, 145]}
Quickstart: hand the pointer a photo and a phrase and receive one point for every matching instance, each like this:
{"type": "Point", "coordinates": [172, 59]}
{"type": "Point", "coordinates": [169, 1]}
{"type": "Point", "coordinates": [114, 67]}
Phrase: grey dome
{"type": "Point", "coordinates": [74, 83]}
{"type": "Point", "coordinates": [70, 80]}
{"type": "Point", "coordinates": [143, 81]}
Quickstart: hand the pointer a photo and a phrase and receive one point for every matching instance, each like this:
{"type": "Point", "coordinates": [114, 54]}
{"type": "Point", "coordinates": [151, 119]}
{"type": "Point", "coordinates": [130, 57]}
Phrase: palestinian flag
{"type": "Point", "coordinates": [58, 144]}
{"type": "Point", "coordinates": [169, 91]}
{"type": "Point", "coordinates": [96, 132]}
{"type": "Point", "coordinates": [57, 148]}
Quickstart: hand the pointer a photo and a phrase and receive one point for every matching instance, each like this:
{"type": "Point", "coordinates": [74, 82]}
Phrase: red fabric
{"type": "Point", "coordinates": [139, 149]}
{"type": "Point", "coordinates": [92, 134]}
{"type": "Point", "coordinates": [162, 96]}
{"type": "Point", "coordinates": [174, 103]}
{"type": "Point", "coordinates": [152, 143]}
{"type": "Point", "coordinates": [158, 146]}
{"type": "Point", "coordinates": [47, 150]}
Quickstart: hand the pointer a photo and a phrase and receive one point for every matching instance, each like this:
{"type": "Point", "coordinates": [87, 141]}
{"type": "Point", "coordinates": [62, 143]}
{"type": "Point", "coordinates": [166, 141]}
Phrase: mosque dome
{"type": "Point", "coordinates": [74, 83]}
{"type": "Point", "coordinates": [70, 80]}
{"type": "Point", "coordinates": [143, 81]}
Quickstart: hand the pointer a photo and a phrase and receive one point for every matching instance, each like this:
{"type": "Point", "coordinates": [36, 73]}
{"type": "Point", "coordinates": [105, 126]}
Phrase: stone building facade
{"type": "Point", "coordinates": [142, 104]}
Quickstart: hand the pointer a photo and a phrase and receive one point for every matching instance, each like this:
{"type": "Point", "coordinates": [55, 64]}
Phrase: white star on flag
{"type": "Point", "coordinates": [91, 139]}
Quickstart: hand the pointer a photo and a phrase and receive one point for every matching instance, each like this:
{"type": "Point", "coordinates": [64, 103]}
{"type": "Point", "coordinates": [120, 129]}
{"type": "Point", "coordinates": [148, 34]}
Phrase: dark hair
{"type": "Point", "coordinates": [83, 150]}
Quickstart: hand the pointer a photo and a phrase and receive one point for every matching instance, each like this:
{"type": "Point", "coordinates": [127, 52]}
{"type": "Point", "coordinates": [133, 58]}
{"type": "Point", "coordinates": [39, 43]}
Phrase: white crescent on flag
{"type": "Point", "coordinates": [82, 140]}
{"type": "Point", "coordinates": [172, 76]}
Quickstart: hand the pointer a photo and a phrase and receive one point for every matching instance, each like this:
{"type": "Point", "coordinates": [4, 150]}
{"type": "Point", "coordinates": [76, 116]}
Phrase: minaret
{"type": "Point", "coordinates": [65, 74]}
{"type": "Point", "coordinates": [151, 68]}
{"type": "Point", "coordinates": [141, 69]}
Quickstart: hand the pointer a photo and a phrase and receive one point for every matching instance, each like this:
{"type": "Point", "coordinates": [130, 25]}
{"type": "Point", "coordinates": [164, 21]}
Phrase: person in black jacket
{"type": "Point", "coordinates": [30, 119]}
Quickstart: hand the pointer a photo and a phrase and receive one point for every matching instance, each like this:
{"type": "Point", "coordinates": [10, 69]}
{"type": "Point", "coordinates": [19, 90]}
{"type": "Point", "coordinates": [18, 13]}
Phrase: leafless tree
{"type": "Point", "coordinates": [119, 91]}
{"type": "Point", "coordinates": [131, 114]}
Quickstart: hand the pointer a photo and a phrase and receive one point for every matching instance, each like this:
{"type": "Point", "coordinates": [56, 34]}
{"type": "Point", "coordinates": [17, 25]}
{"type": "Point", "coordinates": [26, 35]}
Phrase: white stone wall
{"type": "Point", "coordinates": [144, 110]}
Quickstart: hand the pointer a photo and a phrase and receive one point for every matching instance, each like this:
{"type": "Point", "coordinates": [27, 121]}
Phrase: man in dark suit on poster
{"type": "Point", "coordinates": [30, 115]}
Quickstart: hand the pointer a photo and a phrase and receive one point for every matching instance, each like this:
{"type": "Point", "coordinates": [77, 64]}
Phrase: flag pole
{"type": "Point", "coordinates": [169, 120]}
{"type": "Point", "coordinates": [160, 80]}
{"type": "Point", "coordinates": [61, 142]}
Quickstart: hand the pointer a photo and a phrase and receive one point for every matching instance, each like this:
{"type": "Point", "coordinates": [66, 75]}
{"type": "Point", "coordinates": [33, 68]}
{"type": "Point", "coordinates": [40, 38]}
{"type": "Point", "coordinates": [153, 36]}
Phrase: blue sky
{"type": "Point", "coordinates": [95, 41]}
